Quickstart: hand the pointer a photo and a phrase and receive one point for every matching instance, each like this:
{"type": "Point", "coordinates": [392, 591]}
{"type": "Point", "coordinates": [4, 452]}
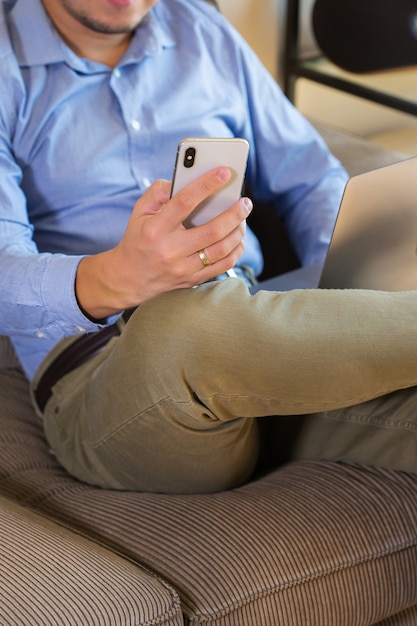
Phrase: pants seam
{"type": "Point", "coordinates": [370, 421]}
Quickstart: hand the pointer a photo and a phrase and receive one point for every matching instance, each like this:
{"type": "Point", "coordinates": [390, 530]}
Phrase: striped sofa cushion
{"type": "Point", "coordinates": [50, 576]}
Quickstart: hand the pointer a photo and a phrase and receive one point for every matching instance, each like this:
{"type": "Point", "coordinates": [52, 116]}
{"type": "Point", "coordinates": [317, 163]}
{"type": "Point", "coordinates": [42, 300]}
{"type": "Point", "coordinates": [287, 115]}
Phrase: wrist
{"type": "Point", "coordinates": [99, 287]}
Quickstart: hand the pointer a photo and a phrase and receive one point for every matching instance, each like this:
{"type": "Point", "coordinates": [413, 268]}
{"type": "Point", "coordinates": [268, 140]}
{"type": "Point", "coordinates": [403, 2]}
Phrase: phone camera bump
{"type": "Point", "coordinates": [189, 157]}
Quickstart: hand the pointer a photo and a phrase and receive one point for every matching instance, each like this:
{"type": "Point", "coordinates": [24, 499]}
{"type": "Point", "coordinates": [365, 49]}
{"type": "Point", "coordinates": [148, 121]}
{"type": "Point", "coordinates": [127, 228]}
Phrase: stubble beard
{"type": "Point", "coordinates": [98, 26]}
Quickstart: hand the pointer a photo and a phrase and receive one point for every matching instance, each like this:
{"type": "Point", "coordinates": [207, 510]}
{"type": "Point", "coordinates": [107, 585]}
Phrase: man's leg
{"type": "Point", "coordinates": [379, 432]}
{"type": "Point", "coordinates": [170, 407]}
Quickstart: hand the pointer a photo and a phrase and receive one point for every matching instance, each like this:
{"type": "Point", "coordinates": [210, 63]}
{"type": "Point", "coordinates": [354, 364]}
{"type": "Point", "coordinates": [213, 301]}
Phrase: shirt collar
{"type": "Point", "coordinates": [43, 45]}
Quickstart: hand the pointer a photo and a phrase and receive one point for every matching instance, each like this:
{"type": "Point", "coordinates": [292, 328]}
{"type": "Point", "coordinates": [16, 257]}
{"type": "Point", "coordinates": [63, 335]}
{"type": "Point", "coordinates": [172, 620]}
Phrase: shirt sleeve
{"type": "Point", "coordinates": [290, 166]}
{"type": "Point", "coordinates": [37, 290]}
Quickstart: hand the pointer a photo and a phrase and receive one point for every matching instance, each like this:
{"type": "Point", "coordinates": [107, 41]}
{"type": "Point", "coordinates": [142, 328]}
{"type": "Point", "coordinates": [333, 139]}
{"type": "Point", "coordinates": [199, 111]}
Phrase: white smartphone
{"type": "Point", "coordinates": [196, 156]}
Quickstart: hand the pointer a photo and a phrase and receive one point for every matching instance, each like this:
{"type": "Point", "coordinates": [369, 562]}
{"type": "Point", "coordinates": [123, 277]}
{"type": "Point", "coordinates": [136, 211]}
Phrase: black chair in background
{"type": "Point", "coordinates": [358, 36]}
{"type": "Point", "coordinates": [367, 35]}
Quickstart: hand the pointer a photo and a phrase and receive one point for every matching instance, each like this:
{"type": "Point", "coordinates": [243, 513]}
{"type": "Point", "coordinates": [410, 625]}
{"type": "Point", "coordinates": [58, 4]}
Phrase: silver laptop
{"type": "Point", "coordinates": [374, 242]}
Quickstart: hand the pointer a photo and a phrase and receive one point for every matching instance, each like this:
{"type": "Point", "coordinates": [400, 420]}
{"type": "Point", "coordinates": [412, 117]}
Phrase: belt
{"type": "Point", "coordinates": [78, 352]}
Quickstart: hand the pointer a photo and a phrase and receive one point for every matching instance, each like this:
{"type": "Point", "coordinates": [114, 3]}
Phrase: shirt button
{"type": "Point", "coordinates": [117, 73]}
{"type": "Point", "coordinates": [80, 329]}
{"type": "Point", "coordinates": [40, 334]}
{"type": "Point", "coordinates": [146, 182]}
{"type": "Point", "coordinates": [135, 124]}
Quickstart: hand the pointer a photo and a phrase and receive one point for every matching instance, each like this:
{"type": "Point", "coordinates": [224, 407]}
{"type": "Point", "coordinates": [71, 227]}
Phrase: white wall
{"type": "Point", "coordinates": [262, 23]}
{"type": "Point", "coordinates": [258, 21]}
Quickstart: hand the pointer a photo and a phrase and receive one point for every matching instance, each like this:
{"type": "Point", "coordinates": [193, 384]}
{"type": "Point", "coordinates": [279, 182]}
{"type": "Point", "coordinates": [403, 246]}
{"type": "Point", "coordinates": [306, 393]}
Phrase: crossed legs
{"type": "Point", "coordinates": [172, 404]}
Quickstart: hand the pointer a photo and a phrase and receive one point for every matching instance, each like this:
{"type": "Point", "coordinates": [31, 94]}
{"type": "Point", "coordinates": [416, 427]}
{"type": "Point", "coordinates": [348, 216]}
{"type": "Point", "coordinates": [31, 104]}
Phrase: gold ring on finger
{"type": "Point", "coordinates": [204, 258]}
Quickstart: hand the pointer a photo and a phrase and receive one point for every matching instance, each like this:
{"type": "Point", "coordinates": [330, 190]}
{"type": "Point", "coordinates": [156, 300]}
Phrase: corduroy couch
{"type": "Point", "coordinates": [305, 544]}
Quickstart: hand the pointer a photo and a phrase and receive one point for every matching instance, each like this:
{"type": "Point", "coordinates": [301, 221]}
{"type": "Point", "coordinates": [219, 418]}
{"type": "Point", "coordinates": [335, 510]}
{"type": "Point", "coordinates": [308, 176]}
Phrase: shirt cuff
{"type": "Point", "coordinates": [58, 294]}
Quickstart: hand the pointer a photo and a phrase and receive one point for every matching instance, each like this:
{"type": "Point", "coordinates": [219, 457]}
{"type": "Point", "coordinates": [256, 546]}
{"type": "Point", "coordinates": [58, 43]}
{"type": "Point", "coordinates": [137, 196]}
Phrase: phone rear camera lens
{"type": "Point", "coordinates": [189, 157]}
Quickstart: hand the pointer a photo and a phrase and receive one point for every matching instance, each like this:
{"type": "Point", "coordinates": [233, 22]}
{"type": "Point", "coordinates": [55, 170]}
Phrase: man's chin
{"type": "Point", "coordinates": [109, 17]}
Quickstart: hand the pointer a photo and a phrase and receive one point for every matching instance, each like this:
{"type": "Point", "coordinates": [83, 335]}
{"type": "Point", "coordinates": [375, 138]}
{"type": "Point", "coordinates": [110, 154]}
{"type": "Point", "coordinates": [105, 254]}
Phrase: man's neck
{"type": "Point", "coordinates": [103, 51]}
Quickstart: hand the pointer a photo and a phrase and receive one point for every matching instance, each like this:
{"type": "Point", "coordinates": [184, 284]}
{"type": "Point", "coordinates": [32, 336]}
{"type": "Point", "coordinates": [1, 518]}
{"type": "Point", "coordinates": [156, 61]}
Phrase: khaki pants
{"type": "Point", "coordinates": [172, 404]}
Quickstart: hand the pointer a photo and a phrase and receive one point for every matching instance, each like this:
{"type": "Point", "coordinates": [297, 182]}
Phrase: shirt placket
{"type": "Point", "coordinates": [124, 83]}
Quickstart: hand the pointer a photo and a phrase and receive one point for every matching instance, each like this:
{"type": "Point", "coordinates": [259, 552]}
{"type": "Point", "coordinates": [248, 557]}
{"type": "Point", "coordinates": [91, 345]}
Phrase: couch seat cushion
{"type": "Point", "coordinates": [50, 576]}
{"type": "Point", "coordinates": [312, 543]}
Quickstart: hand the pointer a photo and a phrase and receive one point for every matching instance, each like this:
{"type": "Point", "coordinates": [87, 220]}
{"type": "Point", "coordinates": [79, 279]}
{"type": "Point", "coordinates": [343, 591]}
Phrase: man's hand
{"type": "Point", "coordinates": [157, 253]}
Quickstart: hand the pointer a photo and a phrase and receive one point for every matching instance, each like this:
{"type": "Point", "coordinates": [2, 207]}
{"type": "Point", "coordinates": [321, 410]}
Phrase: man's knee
{"type": "Point", "coordinates": [184, 319]}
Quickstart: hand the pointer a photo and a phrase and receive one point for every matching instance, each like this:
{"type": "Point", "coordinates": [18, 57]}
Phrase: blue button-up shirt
{"type": "Point", "coordinates": [80, 142]}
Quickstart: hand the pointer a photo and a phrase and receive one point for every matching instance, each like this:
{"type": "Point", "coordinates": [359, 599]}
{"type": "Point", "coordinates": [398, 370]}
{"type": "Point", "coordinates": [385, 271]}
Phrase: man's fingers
{"type": "Point", "coordinates": [221, 226]}
{"type": "Point", "coordinates": [155, 197]}
{"type": "Point", "coordinates": [187, 199]}
{"type": "Point", "coordinates": [220, 250]}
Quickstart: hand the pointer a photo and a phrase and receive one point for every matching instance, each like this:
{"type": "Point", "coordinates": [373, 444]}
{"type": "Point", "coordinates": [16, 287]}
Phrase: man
{"type": "Point", "coordinates": [95, 96]}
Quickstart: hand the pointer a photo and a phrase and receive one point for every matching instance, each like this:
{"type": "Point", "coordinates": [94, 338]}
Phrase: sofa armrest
{"type": "Point", "coordinates": [356, 153]}
{"type": "Point", "coordinates": [49, 575]}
